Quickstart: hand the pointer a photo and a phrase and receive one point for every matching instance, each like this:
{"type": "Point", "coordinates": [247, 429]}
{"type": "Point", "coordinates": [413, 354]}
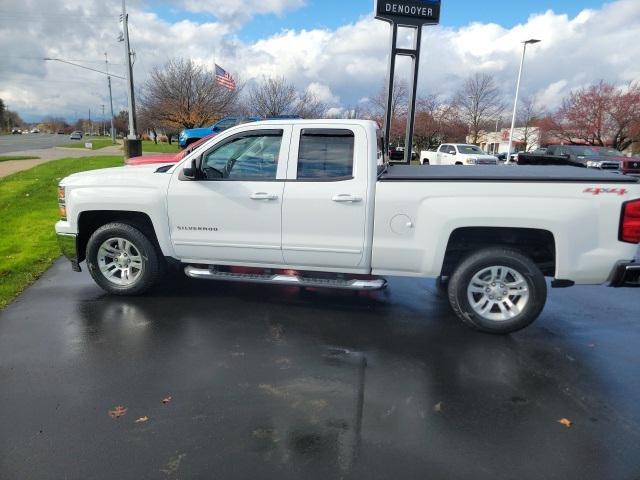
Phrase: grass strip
{"type": "Point", "coordinates": [28, 212]}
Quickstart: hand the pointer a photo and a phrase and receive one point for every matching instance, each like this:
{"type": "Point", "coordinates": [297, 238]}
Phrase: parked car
{"type": "Point", "coordinates": [578, 156]}
{"type": "Point", "coordinates": [194, 134]}
{"type": "Point", "coordinates": [396, 153]}
{"type": "Point", "coordinates": [457, 154]}
{"type": "Point", "coordinates": [35, 130]}
{"type": "Point", "coordinates": [306, 203]}
{"type": "Point", "coordinates": [75, 136]}
{"type": "Point", "coordinates": [631, 166]}
{"type": "Point", "coordinates": [16, 131]}
{"type": "Point", "coordinates": [166, 158]}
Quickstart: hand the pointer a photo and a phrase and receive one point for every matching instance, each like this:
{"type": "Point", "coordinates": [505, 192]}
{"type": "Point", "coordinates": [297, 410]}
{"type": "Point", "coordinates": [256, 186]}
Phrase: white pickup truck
{"type": "Point", "coordinates": [313, 204]}
{"type": "Point", "coordinates": [457, 154]}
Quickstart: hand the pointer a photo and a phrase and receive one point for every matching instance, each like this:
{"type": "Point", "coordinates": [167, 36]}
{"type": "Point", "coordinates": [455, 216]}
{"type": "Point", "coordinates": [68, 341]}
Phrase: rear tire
{"type": "Point", "coordinates": [123, 261]}
{"type": "Point", "coordinates": [497, 290]}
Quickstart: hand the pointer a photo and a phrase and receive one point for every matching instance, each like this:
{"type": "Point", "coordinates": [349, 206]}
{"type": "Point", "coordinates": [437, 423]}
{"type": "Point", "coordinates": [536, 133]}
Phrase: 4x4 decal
{"type": "Point", "coordinates": [599, 190]}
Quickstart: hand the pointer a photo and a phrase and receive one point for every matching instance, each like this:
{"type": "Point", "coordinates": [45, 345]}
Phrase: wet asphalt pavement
{"type": "Point", "coordinates": [274, 382]}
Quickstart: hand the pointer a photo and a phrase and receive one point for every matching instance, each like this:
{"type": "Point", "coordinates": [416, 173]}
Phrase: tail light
{"type": "Point", "coordinates": [630, 223]}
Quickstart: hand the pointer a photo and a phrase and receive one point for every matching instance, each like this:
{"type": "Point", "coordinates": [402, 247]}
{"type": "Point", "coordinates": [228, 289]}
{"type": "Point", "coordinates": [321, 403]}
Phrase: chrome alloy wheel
{"type": "Point", "coordinates": [498, 293]}
{"type": "Point", "coordinates": [120, 262]}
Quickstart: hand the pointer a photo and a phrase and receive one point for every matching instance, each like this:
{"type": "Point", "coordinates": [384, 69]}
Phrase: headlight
{"type": "Point", "coordinates": [471, 161]}
{"type": "Point", "coordinates": [594, 164]}
{"type": "Point", "coordinates": [62, 202]}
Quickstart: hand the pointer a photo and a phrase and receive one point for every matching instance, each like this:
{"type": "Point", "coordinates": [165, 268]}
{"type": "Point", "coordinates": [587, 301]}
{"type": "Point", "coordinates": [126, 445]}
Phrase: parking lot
{"type": "Point", "coordinates": [241, 381]}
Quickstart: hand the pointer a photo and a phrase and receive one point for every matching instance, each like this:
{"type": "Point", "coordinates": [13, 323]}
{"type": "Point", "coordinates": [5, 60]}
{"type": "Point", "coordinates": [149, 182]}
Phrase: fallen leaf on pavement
{"type": "Point", "coordinates": [142, 420]}
{"type": "Point", "coordinates": [167, 400]}
{"type": "Point", "coordinates": [118, 412]}
{"type": "Point", "coordinates": [566, 422]}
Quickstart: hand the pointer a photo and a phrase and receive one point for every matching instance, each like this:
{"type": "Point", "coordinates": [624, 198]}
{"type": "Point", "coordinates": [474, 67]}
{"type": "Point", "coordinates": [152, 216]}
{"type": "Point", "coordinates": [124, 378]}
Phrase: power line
{"type": "Point", "coordinates": [82, 66]}
{"type": "Point", "coordinates": [69, 14]}
{"type": "Point", "coordinates": [21, 57]}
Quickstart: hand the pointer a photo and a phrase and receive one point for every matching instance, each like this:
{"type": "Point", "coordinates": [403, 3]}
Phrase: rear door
{"type": "Point", "coordinates": [325, 198]}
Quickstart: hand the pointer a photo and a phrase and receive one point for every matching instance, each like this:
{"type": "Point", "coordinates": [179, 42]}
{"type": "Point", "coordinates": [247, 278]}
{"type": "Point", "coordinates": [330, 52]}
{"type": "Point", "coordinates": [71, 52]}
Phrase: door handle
{"type": "Point", "coordinates": [263, 196]}
{"type": "Point", "coordinates": [346, 198]}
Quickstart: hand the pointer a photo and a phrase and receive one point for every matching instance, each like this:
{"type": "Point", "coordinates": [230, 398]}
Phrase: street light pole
{"type": "Point", "coordinates": [515, 104]}
{"type": "Point", "coordinates": [127, 54]}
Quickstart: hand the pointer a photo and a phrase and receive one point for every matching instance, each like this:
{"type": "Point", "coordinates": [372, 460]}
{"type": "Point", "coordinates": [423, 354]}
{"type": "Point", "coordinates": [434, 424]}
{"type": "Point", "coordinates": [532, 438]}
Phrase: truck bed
{"type": "Point", "coordinates": [500, 173]}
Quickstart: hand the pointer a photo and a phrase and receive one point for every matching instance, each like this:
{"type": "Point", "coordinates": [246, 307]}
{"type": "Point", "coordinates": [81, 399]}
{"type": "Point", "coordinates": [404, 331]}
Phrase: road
{"type": "Point", "coordinates": [278, 383]}
{"type": "Point", "coordinates": [35, 141]}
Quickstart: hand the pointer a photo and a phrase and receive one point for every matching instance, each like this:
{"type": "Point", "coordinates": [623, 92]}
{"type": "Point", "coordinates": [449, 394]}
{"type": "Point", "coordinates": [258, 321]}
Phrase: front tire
{"type": "Point", "coordinates": [122, 260]}
{"type": "Point", "coordinates": [497, 290]}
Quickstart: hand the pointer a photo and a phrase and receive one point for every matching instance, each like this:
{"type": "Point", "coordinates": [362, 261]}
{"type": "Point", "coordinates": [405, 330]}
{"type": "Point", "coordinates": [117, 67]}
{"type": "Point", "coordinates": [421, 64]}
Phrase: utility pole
{"type": "Point", "coordinates": [104, 130]}
{"type": "Point", "coordinates": [90, 124]}
{"type": "Point", "coordinates": [129, 67]}
{"type": "Point", "coordinates": [113, 132]}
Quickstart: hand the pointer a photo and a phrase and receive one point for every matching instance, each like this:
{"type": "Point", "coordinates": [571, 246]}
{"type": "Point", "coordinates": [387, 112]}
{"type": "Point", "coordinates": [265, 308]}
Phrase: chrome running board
{"type": "Point", "coordinates": [291, 280]}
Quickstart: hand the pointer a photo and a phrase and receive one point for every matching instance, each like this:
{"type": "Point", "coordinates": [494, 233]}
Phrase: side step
{"type": "Point", "coordinates": [291, 280]}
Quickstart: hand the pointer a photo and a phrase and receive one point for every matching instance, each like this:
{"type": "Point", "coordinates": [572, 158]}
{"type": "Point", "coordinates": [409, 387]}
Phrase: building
{"type": "Point", "coordinates": [524, 139]}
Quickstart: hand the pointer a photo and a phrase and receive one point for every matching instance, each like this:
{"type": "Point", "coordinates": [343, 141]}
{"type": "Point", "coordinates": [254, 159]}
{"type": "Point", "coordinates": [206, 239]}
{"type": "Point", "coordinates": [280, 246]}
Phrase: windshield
{"type": "Point", "coordinates": [606, 152]}
{"type": "Point", "coordinates": [594, 152]}
{"type": "Point", "coordinates": [469, 149]}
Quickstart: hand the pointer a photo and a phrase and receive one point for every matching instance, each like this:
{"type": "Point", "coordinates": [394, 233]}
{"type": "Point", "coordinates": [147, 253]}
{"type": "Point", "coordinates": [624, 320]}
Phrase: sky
{"type": "Point", "coordinates": [333, 48]}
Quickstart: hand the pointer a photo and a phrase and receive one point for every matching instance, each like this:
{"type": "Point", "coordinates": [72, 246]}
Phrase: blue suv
{"type": "Point", "coordinates": [187, 137]}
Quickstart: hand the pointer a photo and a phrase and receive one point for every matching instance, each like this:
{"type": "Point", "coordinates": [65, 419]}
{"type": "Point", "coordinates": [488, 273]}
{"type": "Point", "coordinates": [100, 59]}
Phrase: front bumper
{"type": "Point", "coordinates": [69, 246]}
{"type": "Point", "coordinates": [626, 274]}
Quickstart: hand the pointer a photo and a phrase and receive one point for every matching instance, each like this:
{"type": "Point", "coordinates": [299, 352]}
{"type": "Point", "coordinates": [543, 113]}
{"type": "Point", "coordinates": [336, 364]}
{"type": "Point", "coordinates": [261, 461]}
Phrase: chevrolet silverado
{"type": "Point", "coordinates": [313, 203]}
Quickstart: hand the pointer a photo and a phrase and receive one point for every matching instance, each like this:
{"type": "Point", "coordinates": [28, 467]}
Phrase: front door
{"type": "Point", "coordinates": [233, 214]}
{"type": "Point", "coordinates": [324, 219]}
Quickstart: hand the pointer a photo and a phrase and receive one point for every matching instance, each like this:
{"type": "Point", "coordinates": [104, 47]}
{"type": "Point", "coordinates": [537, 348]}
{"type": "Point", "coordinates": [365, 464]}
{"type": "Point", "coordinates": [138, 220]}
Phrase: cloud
{"type": "Point", "coordinates": [323, 93]}
{"type": "Point", "coordinates": [238, 12]}
{"type": "Point", "coordinates": [341, 65]}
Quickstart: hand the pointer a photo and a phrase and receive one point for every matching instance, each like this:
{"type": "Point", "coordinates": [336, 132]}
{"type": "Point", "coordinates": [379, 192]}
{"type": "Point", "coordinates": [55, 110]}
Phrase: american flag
{"type": "Point", "coordinates": [224, 78]}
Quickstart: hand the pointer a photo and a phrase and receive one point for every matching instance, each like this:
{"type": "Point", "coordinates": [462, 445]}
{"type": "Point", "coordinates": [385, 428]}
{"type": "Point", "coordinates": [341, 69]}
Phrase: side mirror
{"type": "Point", "coordinates": [191, 172]}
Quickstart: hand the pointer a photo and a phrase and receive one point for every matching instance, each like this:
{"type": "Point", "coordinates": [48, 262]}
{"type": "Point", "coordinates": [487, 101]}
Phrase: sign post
{"type": "Point", "coordinates": [412, 14]}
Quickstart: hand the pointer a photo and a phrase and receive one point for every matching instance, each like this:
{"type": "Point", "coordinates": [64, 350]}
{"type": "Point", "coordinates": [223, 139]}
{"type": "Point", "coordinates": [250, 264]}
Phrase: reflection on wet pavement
{"type": "Point", "coordinates": [271, 382]}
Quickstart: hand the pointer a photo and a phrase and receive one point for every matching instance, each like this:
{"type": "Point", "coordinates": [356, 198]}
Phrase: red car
{"type": "Point", "coordinates": [628, 165]}
{"type": "Point", "coordinates": [631, 166]}
{"type": "Point", "coordinates": [166, 158]}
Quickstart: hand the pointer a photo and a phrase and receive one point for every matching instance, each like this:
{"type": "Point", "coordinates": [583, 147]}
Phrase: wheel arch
{"type": "Point", "coordinates": [92, 220]}
{"type": "Point", "coordinates": [538, 244]}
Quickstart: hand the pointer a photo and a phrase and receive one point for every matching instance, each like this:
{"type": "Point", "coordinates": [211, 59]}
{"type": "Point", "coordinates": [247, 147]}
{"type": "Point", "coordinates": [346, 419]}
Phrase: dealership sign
{"type": "Point", "coordinates": [409, 12]}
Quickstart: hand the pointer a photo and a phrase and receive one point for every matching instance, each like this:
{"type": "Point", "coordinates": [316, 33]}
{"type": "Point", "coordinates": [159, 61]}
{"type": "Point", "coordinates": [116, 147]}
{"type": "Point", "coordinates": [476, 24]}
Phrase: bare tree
{"type": "Point", "coordinates": [399, 101]}
{"type": "Point", "coordinates": [2, 110]}
{"type": "Point", "coordinates": [309, 106]}
{"type": "Point", "coordinates": [437, 122]}
{"type": "Point", "coordinates": [181, 94]}
{"type": "Point", "coordinates": [274, 97]}
{"type": "Point", "coordinates": [529, 113]}
{"type": "Point", "coordinates": [479, 101]}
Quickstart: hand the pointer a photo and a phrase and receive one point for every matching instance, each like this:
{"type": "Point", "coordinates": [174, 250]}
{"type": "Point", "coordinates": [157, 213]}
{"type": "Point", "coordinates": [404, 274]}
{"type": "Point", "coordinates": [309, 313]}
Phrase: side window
{"type": "Point", "coordinates": [248, 156]}
{"type": "Point", "coordinates": [325, 154]}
